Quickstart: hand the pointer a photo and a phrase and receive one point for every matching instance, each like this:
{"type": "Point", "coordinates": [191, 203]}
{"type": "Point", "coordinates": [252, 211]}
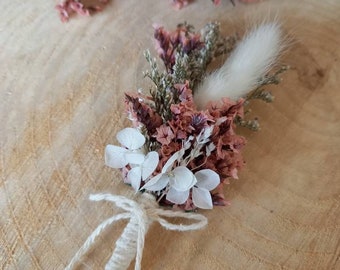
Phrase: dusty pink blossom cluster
{"type": "Point", "coordinates": [168, 43]}
{"type": "Point", "coordinates": [222, 152]}
{"type": "Point", "coordinates": [67, 8]}
{"type": "Point", "coordinates": [178, 4]}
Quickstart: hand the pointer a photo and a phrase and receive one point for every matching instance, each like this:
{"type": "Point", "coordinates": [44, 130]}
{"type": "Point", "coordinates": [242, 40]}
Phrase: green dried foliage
{"type": "Point", "coordinates": [191, 66]}
{"type": "Point", "coordinates": [269, 79]}
{"type": "Point", "coordinates": [261, 94]}
{"type": "Point", "coordinates": [162, 94]}
{"type": "Point", "coordinates": [252, 124]}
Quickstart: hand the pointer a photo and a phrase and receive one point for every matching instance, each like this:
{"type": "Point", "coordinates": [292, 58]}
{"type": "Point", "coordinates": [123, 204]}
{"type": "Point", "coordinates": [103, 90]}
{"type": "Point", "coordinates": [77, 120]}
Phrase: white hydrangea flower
{"type": "Point", "coordinates": [206, 180]}
{"type": "Point", "coordinates": [143, 170]}
{"type": "Point", "coordinates": [118, 157]}
{"type": "Point", "coordinates": [179, 179]}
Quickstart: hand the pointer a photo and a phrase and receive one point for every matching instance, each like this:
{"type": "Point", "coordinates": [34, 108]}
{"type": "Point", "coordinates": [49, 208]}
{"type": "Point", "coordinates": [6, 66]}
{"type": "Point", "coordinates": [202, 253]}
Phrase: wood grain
{"type": "Point", "coordinates": [61, 103]}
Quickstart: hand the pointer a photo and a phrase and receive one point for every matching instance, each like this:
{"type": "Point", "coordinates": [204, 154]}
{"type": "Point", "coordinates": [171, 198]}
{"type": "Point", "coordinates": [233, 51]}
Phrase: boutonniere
{"type": "Point", "coordinates": [183, 145]}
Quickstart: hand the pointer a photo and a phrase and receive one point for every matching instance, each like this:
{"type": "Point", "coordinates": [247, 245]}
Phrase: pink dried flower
{"type": "Point", "coordinates": [168, 43]}
{"type": "Point", "coordinates": [219, 200]}
{"type": "Point", "coordinates": [184, 92]}
{"type": "Point", "coordinates": [68, 7]}
{"type": "Point", "coordinates": [188, 40]}
{"type": "Point", "coordinates": [166, 151]}
{"type": "Point", "coordinates": [226, 167]}
{"type": "Point", "coordinates": [216, 2]}
{"type": "Point", "coordinates": [226, 107]}
{"type": "Point", "coordinates": [199, 120]}
{"type": "Point", "coordinates": [178, 4]}
{"type": "Point", "coordinates": [164, 134]}
{"type": "Point", "coordinates": [187, 206]}
{"type": "Point", "coordinates": [125, 171]}
{"type": "Point", "coordinates": [182, 109]}
{"type": "Point", "coordinates": [144, 113]}
{"type": "Point", "coordinates": [181, 122]}
{"type": "Point", "coordinates": [163, 46]}
{"type": "Point", "coordinates": [226, 159]}
{"type": "Point", "coordinates": [185, 116]}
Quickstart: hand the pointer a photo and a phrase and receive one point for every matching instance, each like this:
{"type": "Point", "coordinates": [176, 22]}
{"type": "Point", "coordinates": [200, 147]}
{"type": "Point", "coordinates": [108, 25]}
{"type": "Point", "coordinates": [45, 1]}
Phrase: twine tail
{"type": "Point", "coordinates": [126, 246]}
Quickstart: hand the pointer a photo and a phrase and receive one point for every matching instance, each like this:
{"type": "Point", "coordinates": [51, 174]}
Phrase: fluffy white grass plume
{"type": "Point", "coordinates": [252, 59]}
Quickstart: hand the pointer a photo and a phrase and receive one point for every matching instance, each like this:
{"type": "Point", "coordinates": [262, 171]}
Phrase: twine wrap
{"type": "Point", "coordinates": [142, 212]}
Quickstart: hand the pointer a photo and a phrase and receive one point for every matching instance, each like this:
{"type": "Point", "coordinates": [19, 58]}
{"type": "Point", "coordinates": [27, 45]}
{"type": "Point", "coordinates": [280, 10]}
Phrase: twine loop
{"type": "Point", "coordinates": [141, 212]}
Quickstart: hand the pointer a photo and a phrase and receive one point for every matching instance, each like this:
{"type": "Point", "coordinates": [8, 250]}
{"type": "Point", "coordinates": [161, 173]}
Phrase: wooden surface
{"type": "Point", "coordinates": [61, 103]}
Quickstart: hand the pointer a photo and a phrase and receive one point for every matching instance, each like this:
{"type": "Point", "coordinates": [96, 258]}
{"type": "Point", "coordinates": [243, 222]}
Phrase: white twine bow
{"type": "Point", "coordinates": [131, 242]}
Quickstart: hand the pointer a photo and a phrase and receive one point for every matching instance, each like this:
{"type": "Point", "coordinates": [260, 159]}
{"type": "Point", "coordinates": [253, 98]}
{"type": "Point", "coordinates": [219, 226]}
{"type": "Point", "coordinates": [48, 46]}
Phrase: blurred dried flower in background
{"type": "Point", "coordinates": [67, 8]}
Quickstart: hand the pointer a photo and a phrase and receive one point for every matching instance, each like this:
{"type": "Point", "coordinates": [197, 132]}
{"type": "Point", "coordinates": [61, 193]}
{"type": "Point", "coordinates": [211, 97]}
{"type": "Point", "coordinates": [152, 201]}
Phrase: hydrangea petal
{"type": "Point", "coordinates": [134, 158]}
{"type": "Point", "coordinates": [131, 138]}
{"type": "Point", "coordinates": [170, 162]}
{"type": "Point", "coordinates": [207, 179]}
{"type": "Point", "coordinates": [176, 156]}
{"type": "Point", "coordinates": [177, 197]}
{"type": "Point", "coordinates": [157, 182]}
{"type": "Point", "coordinates": [183, 179]}
{"type": "Point", "coordinates": [150, 164]}
{"type": "Point", "coordinates": [201, 198]}
{"type": "Point", "coordinates": [135, 176]}
{"type": "Point", "coordinates": [115, 156]}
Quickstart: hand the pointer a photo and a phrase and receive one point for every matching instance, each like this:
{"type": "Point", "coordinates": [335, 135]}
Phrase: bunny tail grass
{"type": "Point", "coordinates": [240, 74]}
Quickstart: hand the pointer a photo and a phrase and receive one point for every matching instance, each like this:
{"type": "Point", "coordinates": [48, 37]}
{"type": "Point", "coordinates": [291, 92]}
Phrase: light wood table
{"type": "Point", "coordinates": [61, 92]}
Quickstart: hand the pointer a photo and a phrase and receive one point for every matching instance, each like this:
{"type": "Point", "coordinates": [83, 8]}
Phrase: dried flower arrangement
{"type": "Point", "coordinates": [183, 145]}
{"type": "Point", "coordinates": [67, 8]}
